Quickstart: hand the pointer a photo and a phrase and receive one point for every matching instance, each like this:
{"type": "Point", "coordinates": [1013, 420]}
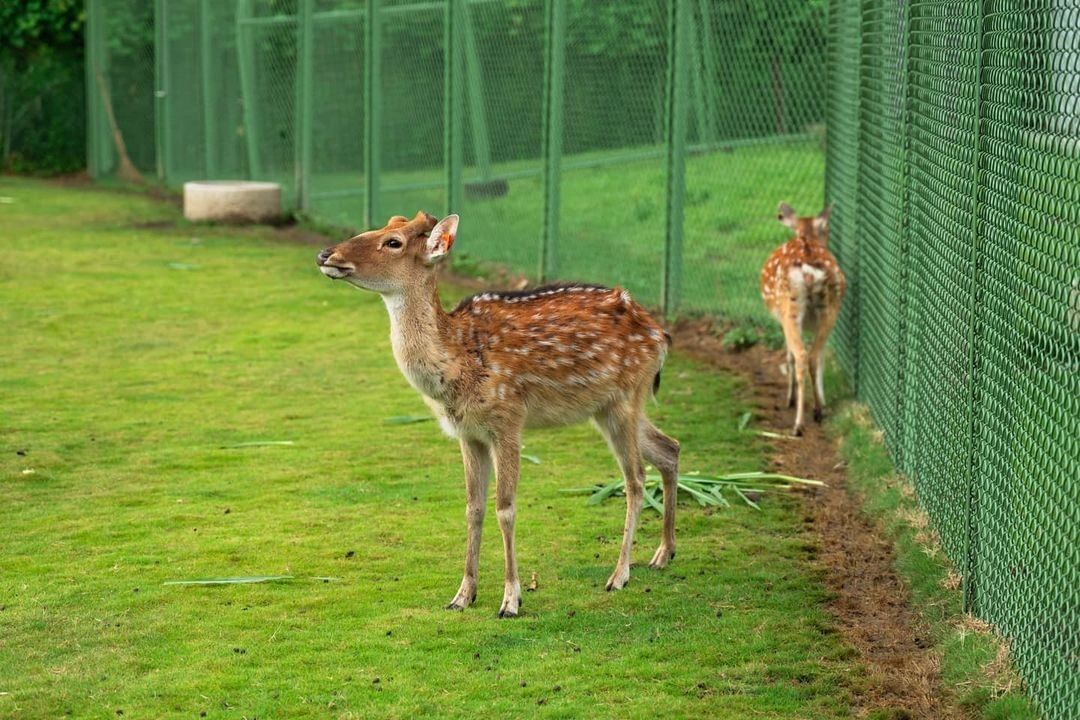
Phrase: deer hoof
{"type": "Point", "coordinates": [798, 431]}
{"type": "Point", "coordinates": [663, 556]}
{"type": "Point", "coordinates": [618, 580]}
{"type": "Point", "coordinates": [510, 608]}
{"type": "Point", "coordinates": [462, 600]}
{"type": "Point", "coordinates": [819, 415]}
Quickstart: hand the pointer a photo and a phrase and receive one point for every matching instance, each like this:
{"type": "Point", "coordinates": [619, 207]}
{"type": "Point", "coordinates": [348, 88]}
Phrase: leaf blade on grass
{"type": "Point", "coordinates": [603, 493]}
{"type": "Point", "coordinates": [407, 419]}
{"type": "Point", "coordinates": [248, 580]}
{"type": "Point", "coordinates": [650, 498]}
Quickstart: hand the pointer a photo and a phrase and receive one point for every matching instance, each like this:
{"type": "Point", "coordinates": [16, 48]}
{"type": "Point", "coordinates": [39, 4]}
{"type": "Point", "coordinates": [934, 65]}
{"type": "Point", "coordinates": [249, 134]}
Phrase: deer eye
{"type": "Point", "coordinates": [392, 243]}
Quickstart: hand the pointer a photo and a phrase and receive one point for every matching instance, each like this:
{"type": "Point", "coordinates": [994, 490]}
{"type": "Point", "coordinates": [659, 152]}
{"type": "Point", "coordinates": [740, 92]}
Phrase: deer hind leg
{"type": "Point", "coordinates": [663, 452]}
{"type": "Point", "coordinates": [477, 460]}
{"type": "Point", "coordinates": [817, 358]}
{"type": "Point", "coordinates": [791, 320]}
{"type": "Point", "coordinates": [507, 458]}
{"type": "Point", "coordinates": [619, 424]}
{"type": "Point", "coordinates": [789, 365]}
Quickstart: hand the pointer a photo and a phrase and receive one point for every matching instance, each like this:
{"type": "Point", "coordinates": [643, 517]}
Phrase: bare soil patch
{"type": "Point", "coordinates": [870, 601]}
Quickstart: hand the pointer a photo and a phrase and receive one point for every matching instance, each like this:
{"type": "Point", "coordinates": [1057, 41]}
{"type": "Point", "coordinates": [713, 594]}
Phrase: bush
{"type": "Point", "coordinates": [42, 87]}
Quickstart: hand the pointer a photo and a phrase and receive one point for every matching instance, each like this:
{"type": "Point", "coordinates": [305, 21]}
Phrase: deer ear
{"type": "Point", "coordinates": [822, 220]}
{"type": "Point", "coordinates": [441, 239]}
{"type": "Point", "coordinates": [786, 215]}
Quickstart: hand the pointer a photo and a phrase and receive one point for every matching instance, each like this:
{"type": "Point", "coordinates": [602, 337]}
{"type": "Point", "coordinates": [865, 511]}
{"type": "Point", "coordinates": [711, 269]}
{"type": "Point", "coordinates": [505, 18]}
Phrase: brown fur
{"type": "Point", "coordinates": [803, 286]}
{"type": "Point", "coordinates": [501, 362]}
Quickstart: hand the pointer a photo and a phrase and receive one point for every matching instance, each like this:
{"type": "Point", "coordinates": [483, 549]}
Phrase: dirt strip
{"type": "Point", "coordinates": [870, 600]}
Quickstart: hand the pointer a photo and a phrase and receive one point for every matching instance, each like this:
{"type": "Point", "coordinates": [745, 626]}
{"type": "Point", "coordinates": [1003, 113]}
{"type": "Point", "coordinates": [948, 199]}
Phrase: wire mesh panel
{"type": "Point", "coordinates": [201, 125]}
{"type": "Point", "coordinates": [1028, 344]}
{"type": "Point", "coordinates": [613, 178]}
{"type": "Point", "coordinates": [883, 295]}
{"type": "Point", "coordinates": [842, 170]}
{"type": "Point", "coordinates": [502, 95]}
{"type": "Point", "coordinates": [942, 129]}
{"type": "Point", "coordinates": [756, 134]}
{"type": "Point", "coordinates": [410, 99]}
{"type": "Point", "coordinates": [337, 116]}
{"type": "Point", "coordinates": [120, 88]}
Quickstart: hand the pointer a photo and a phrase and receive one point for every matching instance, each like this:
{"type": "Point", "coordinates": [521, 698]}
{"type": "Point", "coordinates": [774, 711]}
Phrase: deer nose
{"type": "Point", "coordinates": [322, 257]}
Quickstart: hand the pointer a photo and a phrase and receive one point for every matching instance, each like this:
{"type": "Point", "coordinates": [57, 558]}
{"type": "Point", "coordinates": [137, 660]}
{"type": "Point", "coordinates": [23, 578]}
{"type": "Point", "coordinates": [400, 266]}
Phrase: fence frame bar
{"type": "Point", "coordinates": [372, 113]}
{"type": "Point", "coordinates": [552, 141]}
{"type": "Point", "coordinates": [481, 137]}
{"type": "Point", "coordinates": [207, 71]}
{"type": "Point", "coordinates": [304, 107]}
{"type": "Point", "coordinates": [453, 122]}
{"type": "Point", "coordinates": [675, 161]}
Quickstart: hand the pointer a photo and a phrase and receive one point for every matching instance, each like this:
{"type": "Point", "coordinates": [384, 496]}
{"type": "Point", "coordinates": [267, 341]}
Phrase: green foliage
{"type": "Point", "coordinates": [741, 337]}
{"type": "Point", "coordinates": [42, 102]}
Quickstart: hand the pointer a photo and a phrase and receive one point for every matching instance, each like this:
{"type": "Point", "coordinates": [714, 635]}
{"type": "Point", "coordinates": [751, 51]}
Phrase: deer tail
{"type": "Point", "coordinates": [656, 378]}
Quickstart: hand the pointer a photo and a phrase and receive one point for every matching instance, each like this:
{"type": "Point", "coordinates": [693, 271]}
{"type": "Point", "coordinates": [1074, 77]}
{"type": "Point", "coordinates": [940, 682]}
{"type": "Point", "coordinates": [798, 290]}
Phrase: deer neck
{"type": "Point", "coordinates": [417, 334]}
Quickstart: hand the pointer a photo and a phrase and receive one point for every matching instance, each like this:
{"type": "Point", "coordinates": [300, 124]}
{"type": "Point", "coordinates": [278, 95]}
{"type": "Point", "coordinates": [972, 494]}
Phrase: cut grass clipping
{"type": "Point", "coordinates": [707, 490]}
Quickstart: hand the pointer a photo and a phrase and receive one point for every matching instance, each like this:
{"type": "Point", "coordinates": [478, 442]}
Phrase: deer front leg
{"type": "Point", "coordinates": [477, 459]}
{"type": "Point", "coordinates": [507, 458]}
{"type": "Point", "coordinates": [620, 426]}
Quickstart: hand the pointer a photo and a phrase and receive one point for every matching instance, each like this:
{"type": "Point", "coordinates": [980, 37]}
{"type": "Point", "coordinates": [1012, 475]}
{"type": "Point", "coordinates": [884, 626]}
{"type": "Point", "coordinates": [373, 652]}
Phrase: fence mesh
{"type": "Point", "coordinates": [546, 124]}
{"type": "Point", "coordinates": [647, 143]}
{"type": "Point", "coordinates": [965, 330]}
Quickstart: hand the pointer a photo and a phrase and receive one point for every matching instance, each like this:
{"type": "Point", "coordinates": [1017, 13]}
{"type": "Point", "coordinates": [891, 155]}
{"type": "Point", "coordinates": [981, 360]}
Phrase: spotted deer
{"type": "Point", "coordinates": [503, 361]}
{"type": "Point", "coordinates": [802, 286]}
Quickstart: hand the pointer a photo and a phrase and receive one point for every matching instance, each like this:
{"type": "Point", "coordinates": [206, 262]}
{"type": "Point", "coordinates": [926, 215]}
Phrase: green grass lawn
{"type": "Point", "coordinates": [137, 348]}
{"type": "Point", "coordinates": [612, 220]}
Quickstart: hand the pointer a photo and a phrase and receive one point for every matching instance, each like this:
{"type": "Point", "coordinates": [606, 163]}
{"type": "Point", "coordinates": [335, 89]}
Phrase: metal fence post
{"type": "Point", "coordinates": [101, 151]}
{"type": "Point", "coordinates": [675, 141]}
{"type": "Point", "coordinates": [159, 89]}
{"type": "Point", "coordinates": [971, 560]}
{"type": "Point", "coordinates": [245, 50]}
{"type": "Point", "coordinates": [92, 109]}
{"type": "Point", "coordinates": [372, 113]}
{"type": "Point", "coordinates": [209, 112]}
{"type": "Point", "coordinates": [453, 125]}
{"type": "Point", "coordinates": [304, 109]}
{"type": "Point", "coordinates": [554, 73]}
{"type": "Point", "coordinates": [481, 138]}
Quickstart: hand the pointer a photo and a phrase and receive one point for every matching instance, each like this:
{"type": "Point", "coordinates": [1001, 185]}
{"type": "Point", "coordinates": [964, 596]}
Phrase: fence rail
{"type": "Point", "coordinates": [954, 162]}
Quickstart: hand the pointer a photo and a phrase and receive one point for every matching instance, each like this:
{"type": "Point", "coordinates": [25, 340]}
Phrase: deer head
{"type": "Point", "coordinates": [389, 260]}
{"type": "Point", "coordinates": [811, 228]}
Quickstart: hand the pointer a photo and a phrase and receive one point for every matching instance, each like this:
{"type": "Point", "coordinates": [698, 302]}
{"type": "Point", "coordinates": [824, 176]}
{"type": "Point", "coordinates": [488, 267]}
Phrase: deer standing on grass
{"type": "Point", "coordinates": [504, 361]}
{"type": "Point", "coordinates": [802, 286]}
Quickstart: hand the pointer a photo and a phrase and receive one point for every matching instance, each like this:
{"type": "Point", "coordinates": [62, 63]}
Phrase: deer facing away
{"type": "Point", "coordinates": [802, 286]}
{"type": "Point", "coordinates": [504, 361]}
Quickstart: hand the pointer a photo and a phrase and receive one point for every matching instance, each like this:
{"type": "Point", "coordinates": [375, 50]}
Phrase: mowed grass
{"type": "Point", "coordinates": [137, 349]}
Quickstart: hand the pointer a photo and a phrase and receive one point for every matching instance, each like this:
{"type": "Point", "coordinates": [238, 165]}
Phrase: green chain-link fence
{"type": "Point", "coordinates": [644, 142]}
{"type": "Point", "coordinates": [647, 142]}
{"type": "Point", "coordinates": [954, 162]}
